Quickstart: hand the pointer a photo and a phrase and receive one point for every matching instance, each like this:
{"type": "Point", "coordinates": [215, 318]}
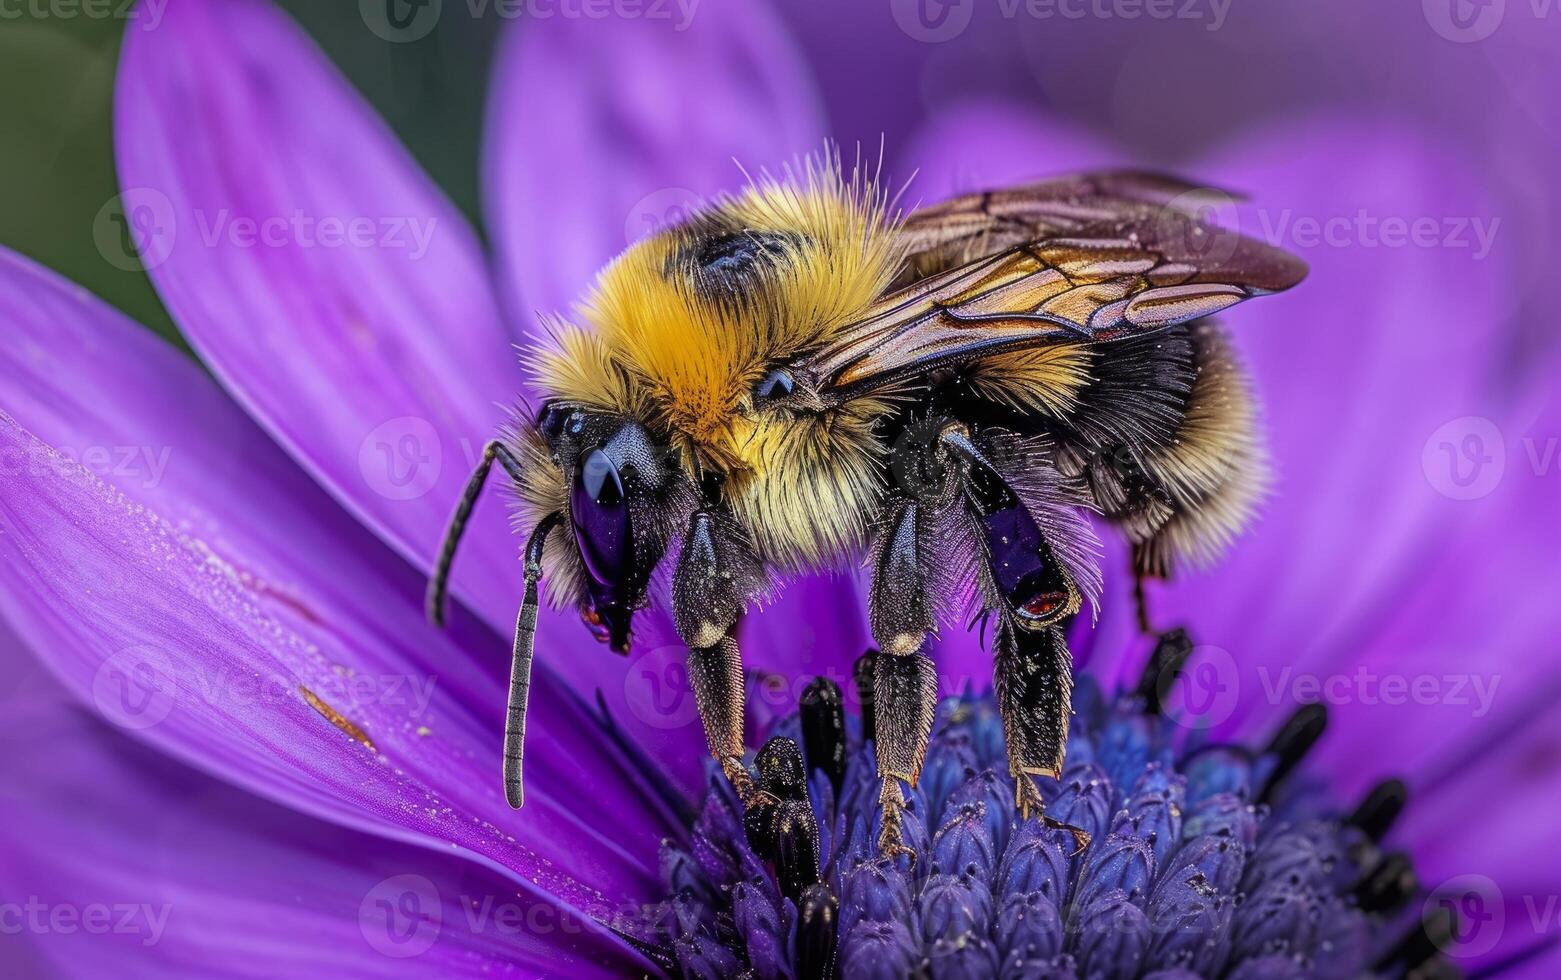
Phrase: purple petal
{"type": "Point", "coordinates": [131, 864]}
{"type": "Point", "coordinates": [325, 280]}
{"type": "Point", "coordinates": [600, 131]}
{"type": "Point", "coordinates": [214, 567]}
{"type": "Point", "coordinates": [980, 145]}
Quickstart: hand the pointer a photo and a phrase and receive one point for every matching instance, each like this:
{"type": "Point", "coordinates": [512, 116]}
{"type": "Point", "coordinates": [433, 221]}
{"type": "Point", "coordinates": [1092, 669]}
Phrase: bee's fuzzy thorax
{"type": "Point", "coordinates": [671, 337]}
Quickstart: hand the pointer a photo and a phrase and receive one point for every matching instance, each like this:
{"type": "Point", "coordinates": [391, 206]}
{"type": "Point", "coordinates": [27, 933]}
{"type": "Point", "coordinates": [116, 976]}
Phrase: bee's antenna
{"type": "Point", "coordinates": [520, 663]}
{"type": "Point", "coordinates": [440, 581]}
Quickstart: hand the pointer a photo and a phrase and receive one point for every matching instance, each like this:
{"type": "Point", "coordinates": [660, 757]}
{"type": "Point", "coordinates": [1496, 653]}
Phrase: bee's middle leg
{"type": "Point", "coordinates": [707, 600]}
{"type": "Point", "coordinates": [904, 679]}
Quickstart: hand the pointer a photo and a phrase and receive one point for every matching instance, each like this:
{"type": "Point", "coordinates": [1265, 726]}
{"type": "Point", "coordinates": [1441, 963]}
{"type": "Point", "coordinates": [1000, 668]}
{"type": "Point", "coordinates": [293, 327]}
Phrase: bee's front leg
{"type": "Point", "coordinates": [708, 595]}
{"type": "Point", "coordinates": [904, 679]}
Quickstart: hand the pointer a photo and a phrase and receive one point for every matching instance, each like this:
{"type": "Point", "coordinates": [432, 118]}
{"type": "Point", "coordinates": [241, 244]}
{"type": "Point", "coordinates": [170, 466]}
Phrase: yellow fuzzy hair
{"type": "Point", "coordinates": [1040, 379]}
{"type": "Point", "coordinates": [685, 362]}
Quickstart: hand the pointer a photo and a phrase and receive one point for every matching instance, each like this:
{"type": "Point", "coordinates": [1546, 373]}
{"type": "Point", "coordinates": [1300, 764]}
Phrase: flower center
{"type": "Point", "coordinates": [1207, 859]}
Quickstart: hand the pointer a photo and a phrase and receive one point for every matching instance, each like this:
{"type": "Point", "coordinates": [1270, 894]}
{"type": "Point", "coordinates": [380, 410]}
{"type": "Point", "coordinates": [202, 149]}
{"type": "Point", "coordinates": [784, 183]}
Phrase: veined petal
{"type": "Point", "coordinates": [320, 274]}
{"type": "Point", "coordinates": [218, 882]}
{"type": "Point", "coordinates": [197, 598]}
{"type": "Point", "coordinates": [601, 131]}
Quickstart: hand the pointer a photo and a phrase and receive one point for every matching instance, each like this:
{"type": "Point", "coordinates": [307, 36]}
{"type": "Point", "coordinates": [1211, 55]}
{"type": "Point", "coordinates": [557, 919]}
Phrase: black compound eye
{"type": "Point", "coordinates": [556, 419]}
{"type": "Point", "coordinates": [599, 510]}
{"type": "Point", "coordinates": [776, 385]}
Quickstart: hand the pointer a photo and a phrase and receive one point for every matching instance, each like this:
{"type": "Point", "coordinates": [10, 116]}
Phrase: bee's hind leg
{"type": "Point", "coordinates": [1030, 600]}
{"type": "Point", "coordinates": [1034, 679]}
{"type": "Point", "coordinates": [708, 597]}
{"type": "Point", "coordinates": [904, 679]}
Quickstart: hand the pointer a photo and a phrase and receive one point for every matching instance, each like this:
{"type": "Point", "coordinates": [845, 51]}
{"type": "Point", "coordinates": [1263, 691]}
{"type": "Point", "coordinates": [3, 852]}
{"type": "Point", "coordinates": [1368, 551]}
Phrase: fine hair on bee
{"type": "Point", "coordinates": [798, 377]}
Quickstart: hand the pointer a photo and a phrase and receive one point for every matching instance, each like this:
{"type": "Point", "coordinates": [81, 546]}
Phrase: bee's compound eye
{"type": "Point", "coordinates": [773, 386]}
{"type": "Point", "coordinates": [554, 420]}
{"type": "Point", "coordinates": [599, 510]}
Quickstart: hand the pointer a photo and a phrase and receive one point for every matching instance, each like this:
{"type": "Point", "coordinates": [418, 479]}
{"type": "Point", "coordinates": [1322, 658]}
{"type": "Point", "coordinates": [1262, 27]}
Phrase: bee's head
{"type": "Point", "coordinates": [619, 493]}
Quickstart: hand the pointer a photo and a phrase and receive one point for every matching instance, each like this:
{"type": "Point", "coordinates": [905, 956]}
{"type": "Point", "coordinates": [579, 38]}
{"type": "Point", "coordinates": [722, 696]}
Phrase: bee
{"type": "Point", "coordinates": [794, 378]}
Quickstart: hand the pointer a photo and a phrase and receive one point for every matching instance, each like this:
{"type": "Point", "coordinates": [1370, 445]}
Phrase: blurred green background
{"type": "Point", "coordinates": [56, 123]}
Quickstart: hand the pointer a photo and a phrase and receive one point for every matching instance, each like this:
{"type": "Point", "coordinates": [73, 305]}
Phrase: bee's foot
{"type": "Point", "coordinates": [891, 842]}
{"type": "Point", "coordinates": [742, 782]}
{"type": "Point", "coordinates": [1081, 837]}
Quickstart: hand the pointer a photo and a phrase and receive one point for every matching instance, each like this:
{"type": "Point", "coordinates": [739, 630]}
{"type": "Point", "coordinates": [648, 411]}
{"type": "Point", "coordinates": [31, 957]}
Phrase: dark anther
{"type": "Point", "coordinates": [818, 922]}
{"type": "Point", "coordinates": [796, 847]}
{"type": "Point", "coordinates": [1388, 885]}
{"type": "Point", "coordinates": [781, 773]}
{"type": "Point", "coordinates": [1417, 954]}
{"type": "Point", "coordinates": [823, 711]}
{"type": "Point", "coordinates": [866, 667]}
{"type": "Point", "coordinates": [1293, 740]}
{"type": "Point", "coordinates": [1380, 808]}
{"type": "Point", "coordinates": [759, 827]}
{"type": "Point", "coordinates": [1170, 656]}
{"type": "Point", "coordinates": [773, 386]}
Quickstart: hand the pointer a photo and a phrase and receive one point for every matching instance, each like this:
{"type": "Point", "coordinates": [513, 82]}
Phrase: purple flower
{"type": "Point", "coordinates": [285, 768]}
